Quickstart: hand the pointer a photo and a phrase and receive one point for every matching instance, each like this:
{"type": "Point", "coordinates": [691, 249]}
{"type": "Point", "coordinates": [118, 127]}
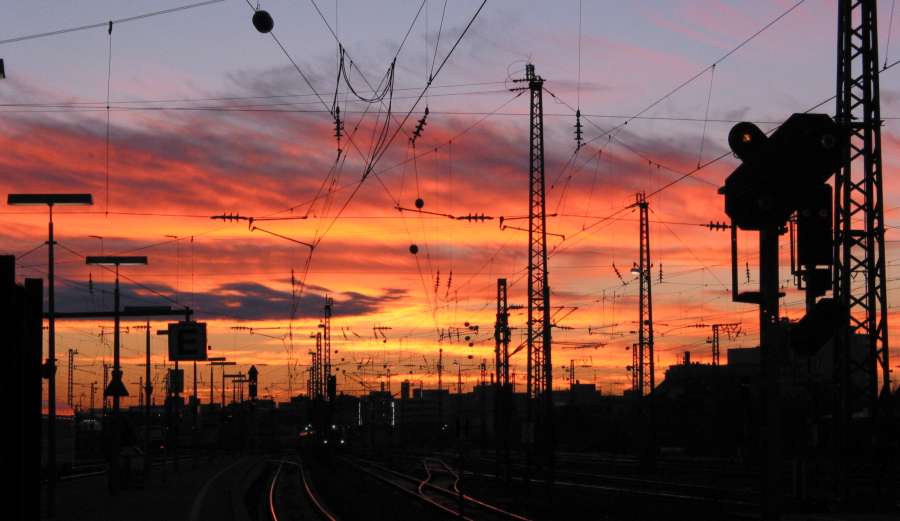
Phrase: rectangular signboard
{"type": "Point", "coordinates": [187, 341]}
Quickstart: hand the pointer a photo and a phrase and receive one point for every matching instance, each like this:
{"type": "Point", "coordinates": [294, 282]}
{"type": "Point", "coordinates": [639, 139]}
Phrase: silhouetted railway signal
{"type": "Point", "coordinates": [783, 173]}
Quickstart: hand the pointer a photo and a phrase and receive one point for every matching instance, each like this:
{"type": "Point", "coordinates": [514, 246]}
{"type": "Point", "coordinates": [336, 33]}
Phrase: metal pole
{"type": "Point", "coordinates": [116, 376]}
{"type": "Point", "coordinates": [51, 380]}
{"type": "Point", "coordinates": [148, 391]}
{"type": "Point", "coordinates": [769, 343]}
{"type": "Point", "coordinates": [195, 382]}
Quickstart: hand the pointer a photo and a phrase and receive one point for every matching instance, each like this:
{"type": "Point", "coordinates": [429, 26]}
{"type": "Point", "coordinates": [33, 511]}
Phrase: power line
{"type": "Point", "coordinates": [105, 23]}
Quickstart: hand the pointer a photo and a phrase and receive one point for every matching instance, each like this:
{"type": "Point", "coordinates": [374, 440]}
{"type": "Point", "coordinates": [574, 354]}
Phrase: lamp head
{"type": "Point", "coordinates": [49, 199]}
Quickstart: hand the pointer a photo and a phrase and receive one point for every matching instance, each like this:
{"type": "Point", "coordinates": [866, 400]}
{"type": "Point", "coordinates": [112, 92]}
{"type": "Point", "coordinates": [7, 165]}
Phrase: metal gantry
{"type": "Point", "coordinates": [730, 330]}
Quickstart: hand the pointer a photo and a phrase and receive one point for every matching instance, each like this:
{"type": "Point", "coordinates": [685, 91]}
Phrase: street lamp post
{"type": "Point", "coordinates": [50, 200]}
{"type": "Point", "coordinates": [116, 388]}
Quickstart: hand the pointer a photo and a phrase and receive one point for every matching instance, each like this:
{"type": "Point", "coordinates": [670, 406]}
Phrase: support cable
{"type": "Point", "coordinates": [108, 82]}
{"type": "Point", "coordinates": [712, 76]}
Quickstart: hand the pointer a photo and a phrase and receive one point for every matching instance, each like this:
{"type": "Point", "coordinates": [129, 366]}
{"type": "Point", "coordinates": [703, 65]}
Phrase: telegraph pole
{"type": "Point", "coordinates": [861, 342]}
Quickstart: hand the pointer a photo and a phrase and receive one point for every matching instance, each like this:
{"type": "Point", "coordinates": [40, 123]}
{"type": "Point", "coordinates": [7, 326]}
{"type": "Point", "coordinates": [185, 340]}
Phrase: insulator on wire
{"type": "Point", "coordinates": [420, 126]}
{"type": "Point", "coordinates": [619, 274]}
{"type": "Point", "coordinates": [338, 124]}
{"type": "Point", "coordinates": [263, 21]}
{"type": "Point", "coordinates": [579, 137]}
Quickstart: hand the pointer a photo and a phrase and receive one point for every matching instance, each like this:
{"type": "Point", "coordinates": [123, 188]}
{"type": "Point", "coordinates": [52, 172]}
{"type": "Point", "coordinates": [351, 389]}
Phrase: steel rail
{"type": "Point", "coordinates": [398, 486]}
{"type": "Point", "coordinates": [450, 494]}
{"type": "Point", "coordinates": [309, 493]}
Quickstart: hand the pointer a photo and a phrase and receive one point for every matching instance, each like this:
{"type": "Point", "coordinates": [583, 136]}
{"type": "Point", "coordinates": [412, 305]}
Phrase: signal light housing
{"type": "Point", "coordinates": [778, 173]}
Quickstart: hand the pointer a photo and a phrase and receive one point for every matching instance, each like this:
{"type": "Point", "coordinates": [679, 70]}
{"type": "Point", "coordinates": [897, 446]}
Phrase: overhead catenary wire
{"type": "Point", "coordinates": [598, 217]}
{"type": "Point", "coordinates": [104, 23]}
{"type": "Point", "coordinates": [712, 76]}
{"type": "Point", "coordinates": [700, 73]}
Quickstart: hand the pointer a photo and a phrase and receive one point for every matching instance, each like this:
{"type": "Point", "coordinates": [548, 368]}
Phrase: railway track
{"type": "Point", "coordinates": [449, 502]}
{"type": "Point", "coordinates": [278, 510]}
{"type": "Point", "coordinates": [584, 475]}
{"type": "Point", "coordinates": [611, 493]}
{"type": "Point", "coordinates": [99, 469]}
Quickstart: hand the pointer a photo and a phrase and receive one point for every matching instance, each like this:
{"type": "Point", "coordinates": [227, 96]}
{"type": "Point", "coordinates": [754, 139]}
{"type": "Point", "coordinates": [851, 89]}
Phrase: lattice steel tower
{"type": "Point", "coordinates": [70, 382]}
{"type": "Point", "coordinates": [859, 276]}
{"type": "Point", "coordinates": [540, 377]}
{"type": "Point", "coordinates": [861, 345]}
{"type": "Point", "coordinates": [645, 364]}
{"type": "Point", "coordinates": [326, 349]}
{"type": "Point", "coordinates": [317, 368]}
{"type": "Point", "coordinates": [502, 335]}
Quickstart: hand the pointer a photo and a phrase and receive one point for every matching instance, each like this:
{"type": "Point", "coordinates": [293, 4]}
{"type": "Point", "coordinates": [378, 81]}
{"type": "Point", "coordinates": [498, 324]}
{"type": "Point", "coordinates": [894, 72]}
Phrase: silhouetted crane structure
{"type": "Point", "coordinates": [859, 249]}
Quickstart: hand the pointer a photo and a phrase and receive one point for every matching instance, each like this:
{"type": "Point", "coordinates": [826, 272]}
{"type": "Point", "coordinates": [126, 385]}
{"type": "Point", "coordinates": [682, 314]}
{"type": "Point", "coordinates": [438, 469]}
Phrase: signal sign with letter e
{"type": "Point", "coordinates": [187, 341]}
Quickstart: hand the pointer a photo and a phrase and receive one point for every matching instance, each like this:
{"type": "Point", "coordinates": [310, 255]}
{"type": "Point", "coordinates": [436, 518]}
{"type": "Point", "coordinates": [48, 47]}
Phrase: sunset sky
{"type": "Point", "coordinates": [208, 116]}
